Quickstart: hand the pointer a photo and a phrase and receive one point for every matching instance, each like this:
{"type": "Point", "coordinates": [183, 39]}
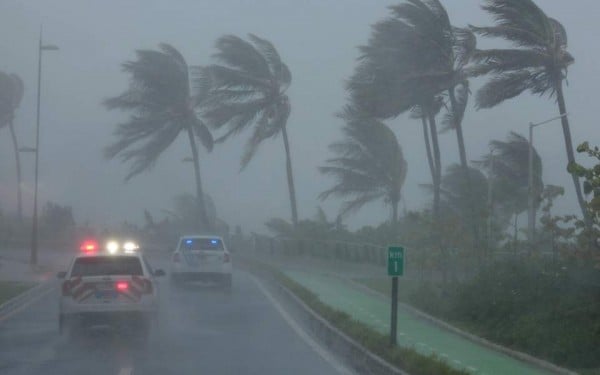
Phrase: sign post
{"type": "Point", "coordinates": [395, 266]}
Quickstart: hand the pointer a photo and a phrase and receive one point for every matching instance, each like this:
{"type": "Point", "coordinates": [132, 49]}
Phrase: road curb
{"type": "Point", "coordinates": [523, 357]}
{"type": "Point", "coordinates": [22, 300]}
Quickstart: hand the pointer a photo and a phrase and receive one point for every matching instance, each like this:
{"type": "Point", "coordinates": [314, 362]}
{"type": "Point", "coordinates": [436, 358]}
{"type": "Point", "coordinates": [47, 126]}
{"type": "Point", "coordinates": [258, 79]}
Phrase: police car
{"type": "Point", "coordinates": [201, 258]}
{"type": "Point", "coordinates": [113, 285]}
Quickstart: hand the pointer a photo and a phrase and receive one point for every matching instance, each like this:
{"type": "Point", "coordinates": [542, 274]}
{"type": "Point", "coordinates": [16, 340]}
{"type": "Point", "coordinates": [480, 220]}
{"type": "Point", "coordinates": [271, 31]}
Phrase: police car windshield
{"type": "Point", "coordinates": [107, 265]}
{"type": "Point", "coordinates": [201, 244]}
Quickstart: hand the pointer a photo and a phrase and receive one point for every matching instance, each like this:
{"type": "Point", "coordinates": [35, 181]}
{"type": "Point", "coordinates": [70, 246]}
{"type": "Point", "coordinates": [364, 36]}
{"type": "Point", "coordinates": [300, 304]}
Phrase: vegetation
{"type": "Point", "coordinates": [368, 166]}
{"type": "Point", "coordinates": [540, 298]}
{"type": "Point", "coordinates": [161, 104]}
{"type": "Point", "coordinates": [249, 89]}
{"type": "Point", "coordinates": [547, 310]}
{"type": "Point", "coordinates": [11, 94]}
{"type": "Point", "coordinates": [538, 62]}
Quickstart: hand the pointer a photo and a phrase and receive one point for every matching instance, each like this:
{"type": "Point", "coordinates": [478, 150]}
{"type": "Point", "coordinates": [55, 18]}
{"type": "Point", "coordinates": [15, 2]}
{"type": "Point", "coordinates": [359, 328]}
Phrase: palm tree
{"type": "Point", "coordinates": [411, 59]}
{"type": "Point", "coordinates": [369, 164]}
{"type": "Point", "coordinates": [538, 62]}
{"type": "Point", "coordinates": [248, 89]}
{"type": "Point", "coordinates": [507, 168]}
{"type": "Point", "coordinates": [162, 107]}
{"type": "Point", "coordinates": [11, 94]}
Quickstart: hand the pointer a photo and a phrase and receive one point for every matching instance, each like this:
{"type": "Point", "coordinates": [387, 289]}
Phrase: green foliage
{"type": "Point", "coordinates": [539, 61]}
{"type": "Point", "coordinates": [319, 228]}
{"type": "Point", "coordinates": [161, 107]}
{"type": "Point", "coordinates": [11, 94]}
{"type": "Point", "coordinates": [549, 311]}
{"type": "Point", "coordinates": [368, 166]}
{"type": "Point", "coordinates": [247, 89]}
{"type": "Point", "coordinates": [159, 100]}
{"type": "Point", "coordinates": [591, 176]}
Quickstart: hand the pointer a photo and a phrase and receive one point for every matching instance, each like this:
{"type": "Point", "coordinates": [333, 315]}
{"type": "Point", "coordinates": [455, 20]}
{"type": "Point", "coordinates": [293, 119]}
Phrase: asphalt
{"type": "Point", "coordinates": [203, 330]}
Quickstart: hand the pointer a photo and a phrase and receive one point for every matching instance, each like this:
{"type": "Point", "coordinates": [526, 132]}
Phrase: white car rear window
{"type": "Point", "coordinates": [107, 265]}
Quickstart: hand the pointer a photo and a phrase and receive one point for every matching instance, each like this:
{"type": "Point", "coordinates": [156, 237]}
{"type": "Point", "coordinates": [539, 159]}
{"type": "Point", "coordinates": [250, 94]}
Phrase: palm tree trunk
{"type": "Point", "coordinates": [436, 194]}
{"type": "Point", "coordinates": [570, 154]}
{"type": "Point", "coordinates": [201, 213]}
{"type": "Point", "coordinates": [18, 165]}
{"type": "Point", "coordinates": [459, 133]}
{"type": "Point", "coordinates": [395, 212]}
{"type": "Point", "coordinates": [290, 176]}
{"type": "Point", "coordinates": [428, 146]}
{"type": "Point", "coordinates": [515, 233]}
{"type": "Point", "coordinates": [437, 176]}
{"type": "Point", "coordinates": [465, 167]}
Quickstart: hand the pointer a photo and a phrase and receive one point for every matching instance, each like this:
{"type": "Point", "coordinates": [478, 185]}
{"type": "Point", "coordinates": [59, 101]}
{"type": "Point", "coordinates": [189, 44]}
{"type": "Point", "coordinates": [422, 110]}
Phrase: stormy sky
{"type": "Point", "coordinates": [316, 38]}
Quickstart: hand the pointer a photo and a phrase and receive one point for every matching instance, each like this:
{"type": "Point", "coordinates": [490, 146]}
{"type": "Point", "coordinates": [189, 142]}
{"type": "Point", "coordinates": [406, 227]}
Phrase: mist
{"type": "Point", "coordinates": [318, 41]}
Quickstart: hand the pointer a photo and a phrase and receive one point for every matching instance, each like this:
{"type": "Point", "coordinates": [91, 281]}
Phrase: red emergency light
{"type": "Point", "coordinates": [89, 246]}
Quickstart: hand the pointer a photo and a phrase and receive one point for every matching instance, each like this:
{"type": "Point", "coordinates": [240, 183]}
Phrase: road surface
{"type": "Point", "coordinates": [204, 331]}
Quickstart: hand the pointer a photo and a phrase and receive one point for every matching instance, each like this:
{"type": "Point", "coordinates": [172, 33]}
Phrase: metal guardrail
{"type": "Point", "coordinates": [325, 249]}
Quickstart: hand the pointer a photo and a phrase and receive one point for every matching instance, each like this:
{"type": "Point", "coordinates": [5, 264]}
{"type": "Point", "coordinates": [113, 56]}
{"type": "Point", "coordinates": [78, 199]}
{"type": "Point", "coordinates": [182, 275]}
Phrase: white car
{"type": "Point", "coordinates": [201, 258]}
{"type": "Point", "coordinates": [112, 286]}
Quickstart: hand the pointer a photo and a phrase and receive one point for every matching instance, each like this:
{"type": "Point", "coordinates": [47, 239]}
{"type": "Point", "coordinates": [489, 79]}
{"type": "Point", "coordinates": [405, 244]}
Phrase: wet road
{"type": "Point", "coordinates": [203, 331]}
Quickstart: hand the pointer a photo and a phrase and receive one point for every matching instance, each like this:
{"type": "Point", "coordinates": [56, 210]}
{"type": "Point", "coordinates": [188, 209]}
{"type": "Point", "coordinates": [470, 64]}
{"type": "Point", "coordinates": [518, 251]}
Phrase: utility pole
{"type": "Point", "coordinates": [34, 228]}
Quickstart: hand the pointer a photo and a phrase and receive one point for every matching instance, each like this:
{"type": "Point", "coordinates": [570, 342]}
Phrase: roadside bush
{"type": "Point", "coordinates": [549, 312]}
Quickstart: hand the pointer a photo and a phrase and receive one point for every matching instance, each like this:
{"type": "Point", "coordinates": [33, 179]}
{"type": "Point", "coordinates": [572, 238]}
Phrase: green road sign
{"type": "Point", "coordinates": [395, 261]}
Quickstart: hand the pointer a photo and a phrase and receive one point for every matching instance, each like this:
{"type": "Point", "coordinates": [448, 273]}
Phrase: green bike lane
{"type": "Point", "coordinates": [414, 332]}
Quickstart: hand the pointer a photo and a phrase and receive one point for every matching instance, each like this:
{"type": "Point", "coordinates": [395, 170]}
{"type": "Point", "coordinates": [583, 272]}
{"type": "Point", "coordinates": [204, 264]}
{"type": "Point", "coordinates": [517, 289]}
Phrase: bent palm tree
{"type": "Point", "coordinates": [162, 107]}
{"type": "Point", "coordinates": [11, 94]}
{"type": "Point", "coordinates": [507, 168]}
{"type": "Point", "coordinates": [249, 89]}
{"type": "Point", "coordinates": [369, 165]}
{"type": "Point", "coordinates": [538, 63]}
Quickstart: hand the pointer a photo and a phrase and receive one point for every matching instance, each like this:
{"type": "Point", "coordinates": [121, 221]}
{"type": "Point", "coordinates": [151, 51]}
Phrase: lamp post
{"type": "Point", "coordinates": [34, 228]}
{"type": "Point", "coordinates": [530, 195]}
{"type": "Point", "coordinates": [490, 197]}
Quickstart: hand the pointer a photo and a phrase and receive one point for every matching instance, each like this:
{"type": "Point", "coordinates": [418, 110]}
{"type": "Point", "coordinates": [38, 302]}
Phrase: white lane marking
{"type": "Point", "coordinates": [22, 307]}
{"type": "Point", "coordinates": [126, 370]}
{"type": "Point", "coordinates": [341, 369]}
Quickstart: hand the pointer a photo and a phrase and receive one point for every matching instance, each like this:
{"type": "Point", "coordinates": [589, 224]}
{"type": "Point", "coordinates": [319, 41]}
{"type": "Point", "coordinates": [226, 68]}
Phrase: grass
{"type": "Point", "coordinates": [407, 359]}
{"type": "Point", "coordinates": [10, 289]}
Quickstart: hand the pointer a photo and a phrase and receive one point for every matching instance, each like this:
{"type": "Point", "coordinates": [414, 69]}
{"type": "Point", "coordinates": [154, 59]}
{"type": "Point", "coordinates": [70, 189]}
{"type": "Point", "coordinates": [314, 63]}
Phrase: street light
{"type": "Point", "coordinates": [34, 228]}
{"type": "Point", "coordinates": [530, 196]}
{"type": "Point", "coordinates": [490, 193]}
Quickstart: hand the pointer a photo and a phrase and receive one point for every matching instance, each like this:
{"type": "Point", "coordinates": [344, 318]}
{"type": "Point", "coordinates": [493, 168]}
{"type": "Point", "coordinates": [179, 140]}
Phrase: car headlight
{"type": "Point", "coordinates": [130, 246]}
{"type": "Point", "coordinates": [112, 247]}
